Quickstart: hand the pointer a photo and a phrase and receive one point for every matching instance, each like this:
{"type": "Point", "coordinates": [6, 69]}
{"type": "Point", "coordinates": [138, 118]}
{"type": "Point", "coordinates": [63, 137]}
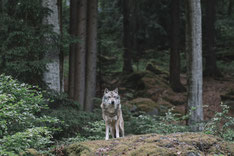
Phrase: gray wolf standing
{"type": "Point", "coordinates": [112, 113]}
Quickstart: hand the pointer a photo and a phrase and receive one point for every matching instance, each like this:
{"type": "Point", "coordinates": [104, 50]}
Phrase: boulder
{"type": "Point", "coordinates": [144, 104]}
{"type": "Point", "coordinates": [143, 80]}
{"type": "Point", "coordinates": [149, 106]}
{"type": "Point", "coordinates": [151, 66]}
{"type": "Point", "coordinates": [183, 144]}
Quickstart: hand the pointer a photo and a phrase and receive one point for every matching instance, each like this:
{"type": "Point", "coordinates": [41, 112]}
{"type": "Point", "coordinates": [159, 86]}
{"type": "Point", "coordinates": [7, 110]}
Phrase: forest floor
{"type": "Point", "coordinates": [139, 89]}
{"type": "Point", "coordinates": [213, 90]}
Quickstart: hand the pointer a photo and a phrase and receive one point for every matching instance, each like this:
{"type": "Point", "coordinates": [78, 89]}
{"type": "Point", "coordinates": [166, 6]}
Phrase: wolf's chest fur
{"type": "Point", "coordinates": [110, 116]}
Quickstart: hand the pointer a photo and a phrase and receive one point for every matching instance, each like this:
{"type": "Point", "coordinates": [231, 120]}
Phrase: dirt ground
{"type": "Point", "coordinates": [212, 91]}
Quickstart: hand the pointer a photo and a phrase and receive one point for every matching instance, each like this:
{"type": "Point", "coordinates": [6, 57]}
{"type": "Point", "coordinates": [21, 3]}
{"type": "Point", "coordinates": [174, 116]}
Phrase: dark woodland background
{"type": "Point", "coordinates": [58, 56]}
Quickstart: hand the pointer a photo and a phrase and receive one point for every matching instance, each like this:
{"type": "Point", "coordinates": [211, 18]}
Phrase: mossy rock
{"type": "Point", "coordinates": [182, 144]}
{"type": "Point", "coordinates": [77, 150]}
{"type": "Point", "coordinates": [143, 80]}
{"type": "Point", "coordinates": [153, 67]}
{"type": "Point", "coordinates": [155, 81]}
{"type": "Point", "coordinates": [176, 99]}
{"type": "Point", "coordinates": [149, 106]}
{"type": "Point", "coordinates": [144, 104]}
{"type": "Point", "coordinates": [31, 152]}
{"type": "Point", "coordinates": [133, 80]}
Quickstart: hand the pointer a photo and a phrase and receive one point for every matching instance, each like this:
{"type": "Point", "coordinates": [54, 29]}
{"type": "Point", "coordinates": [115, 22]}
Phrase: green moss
{"type": "Point", "coordinates": [144, 104]}
{"type": "Point", "coordinates": [151, 66]}
{"type": "Point", "coordinates": [143, 80]}
{"type": "Point", "coordinates": [77, 150]}
{"type": "Point", "coordinates": [154, 144]}
{"type": "Point", "coordinates": [150, 149]}
{"type": "Point", "coordinates": [133, 80]}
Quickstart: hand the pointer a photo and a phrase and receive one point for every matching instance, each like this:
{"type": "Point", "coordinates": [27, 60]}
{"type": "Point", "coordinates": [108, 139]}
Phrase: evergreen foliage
{"type": "Point", "coordinates": [22, 39]}
{"type": "Point", "coordinates": [21, 125]}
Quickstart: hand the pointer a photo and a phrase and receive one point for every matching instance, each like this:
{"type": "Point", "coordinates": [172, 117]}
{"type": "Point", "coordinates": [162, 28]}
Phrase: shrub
{"type": "Point", "coordinates": [144, 124]}
{"type": "Point", "coordinates": [221, 124]}
{"type": "Point", "coordinates": [20, 114]}
{"type": "Point", "coordinates": [95, 130]}
{"type": "Point", "coordinates": [74, 121]}
{"type": "Point", "coordinates": [134, 124]}
{"type": "Point", "coordinates": [37, 138]}
{"type": "Point", "coordinates": [22, 32]}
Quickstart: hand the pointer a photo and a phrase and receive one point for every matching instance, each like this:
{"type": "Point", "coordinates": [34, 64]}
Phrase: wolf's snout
{"type": "Point", "coordinates": [112, 102]}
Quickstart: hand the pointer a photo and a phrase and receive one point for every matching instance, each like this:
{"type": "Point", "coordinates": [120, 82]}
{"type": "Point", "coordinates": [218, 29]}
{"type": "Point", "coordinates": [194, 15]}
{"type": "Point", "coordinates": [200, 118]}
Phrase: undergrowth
{"type": "Point", "coordinates": [221, 124]}
{"type": "Point", "coordinates": [22, 125]}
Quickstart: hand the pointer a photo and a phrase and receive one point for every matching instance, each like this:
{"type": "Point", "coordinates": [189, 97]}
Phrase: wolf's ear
{"type": "Point", "coordinates": [116, 90]}
{"type": "Point", "coordinates": [106, 90]}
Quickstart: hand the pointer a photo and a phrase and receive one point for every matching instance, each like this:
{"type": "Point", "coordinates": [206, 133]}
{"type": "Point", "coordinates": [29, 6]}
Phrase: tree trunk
{"type": "Point", "coordinates": [91, 55]}
{"type": "Point", "coordinates": [127, 58]}
{"type": "Point", "coordinates": [80, 56]}
{"type": "Point", "coordinates": [194, 63]}
{"type": "Point", "coordinates": [72, 49]}
{"type": "Point", "coordinates": [230, 7]}
{"type": "Point", "coordinates": [61, 56]}
{"type": "Point", "coordinates": [174, 52]}
{"type": "Point", "coordinates": [52, 75]}
{"type": "Point", "coordinates": [210, 66]}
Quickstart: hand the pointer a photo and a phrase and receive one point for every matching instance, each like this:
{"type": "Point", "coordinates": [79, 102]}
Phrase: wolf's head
{"type": "Point", "coordinates": [111, 99]}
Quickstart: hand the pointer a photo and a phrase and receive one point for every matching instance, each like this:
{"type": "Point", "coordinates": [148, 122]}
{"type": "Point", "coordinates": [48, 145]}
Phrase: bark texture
{"type": "Point", "coordinates": [127, 58]}
{"type": "Point", "coordinates": [61, 56]}
{"type": "Point", "coordinates": [52, 76]}
{"type": "Point", "coordinates": [230, 7]}
{"type": "Point", "coordinates": [80, 55]}
{"type": "Point", "coordinates": [210, 18]}
{"type": "Point", "coordinates": [91, 55]}
{"type": "Point", "coordinates": [83, 55]}
{"type": "Point", "coordinates": [194, 63]}
{"type": "Point", "coordinates": [72, 49]}
{"type": "Point", "coordinates": [174, 52]}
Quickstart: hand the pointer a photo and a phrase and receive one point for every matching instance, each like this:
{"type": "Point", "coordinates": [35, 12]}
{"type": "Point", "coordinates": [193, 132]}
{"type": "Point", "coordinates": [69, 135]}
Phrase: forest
{"type": "Point", "coordinates": [171, 62]}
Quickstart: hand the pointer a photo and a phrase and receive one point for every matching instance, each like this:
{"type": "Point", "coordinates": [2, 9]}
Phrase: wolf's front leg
{"type": "Point", "coordinates": [122, 127]}
{"type": "Point", "coordinates": [117, 129]}
{"type": "Point", "coordinates": [107, 132]}
{"type": "Point", "coordinates": [112, 132]}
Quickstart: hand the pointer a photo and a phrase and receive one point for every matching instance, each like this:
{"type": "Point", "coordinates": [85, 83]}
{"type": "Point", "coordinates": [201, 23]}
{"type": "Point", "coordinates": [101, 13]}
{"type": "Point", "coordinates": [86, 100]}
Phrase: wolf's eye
{"type": "Point", "coordinates": [109, 97]}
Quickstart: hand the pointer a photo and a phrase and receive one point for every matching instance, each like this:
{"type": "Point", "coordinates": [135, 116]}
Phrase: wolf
{"type": "Point", "coordinates": [112, 113]}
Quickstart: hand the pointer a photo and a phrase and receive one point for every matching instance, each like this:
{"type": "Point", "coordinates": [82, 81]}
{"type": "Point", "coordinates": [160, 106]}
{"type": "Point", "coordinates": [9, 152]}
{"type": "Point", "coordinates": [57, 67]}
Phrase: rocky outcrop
{"type": "Point", "coordinates": [182, 144]}
{"type": "Point", "coordinates": [150, 92]}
